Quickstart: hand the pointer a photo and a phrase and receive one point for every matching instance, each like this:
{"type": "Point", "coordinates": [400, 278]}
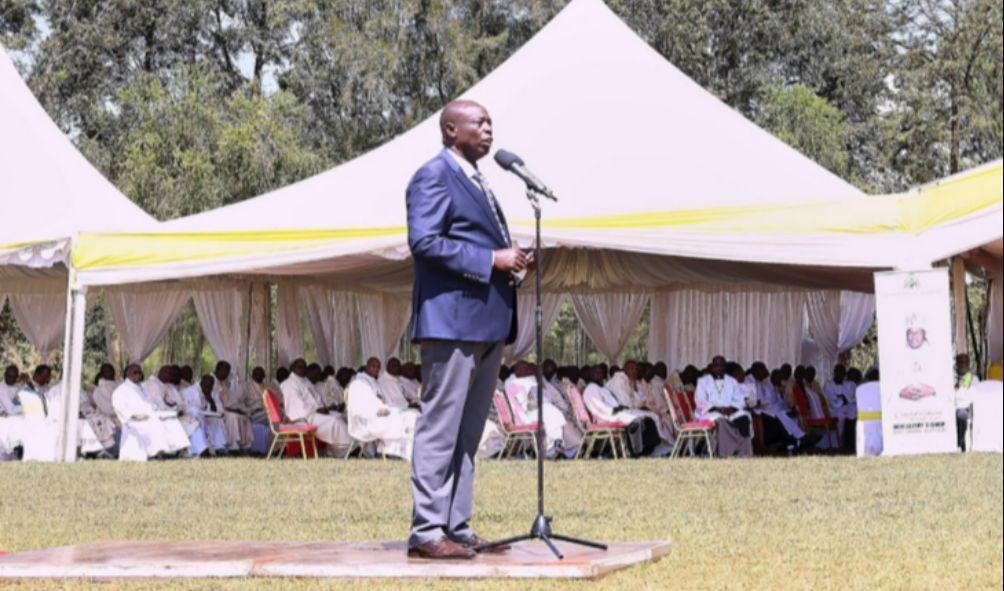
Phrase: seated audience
{"type": "Point", "coordinates": [372, 419]}
{"type": "Point", "coordinates": [146, 432]}
{"type": "Point", "coordinates": [302, 406]}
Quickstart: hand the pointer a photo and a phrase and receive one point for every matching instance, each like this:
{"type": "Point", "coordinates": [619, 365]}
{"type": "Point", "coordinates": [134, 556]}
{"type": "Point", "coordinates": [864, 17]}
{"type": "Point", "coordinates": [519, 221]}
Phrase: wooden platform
{"type": "Point", "coordinates": [103, 560]}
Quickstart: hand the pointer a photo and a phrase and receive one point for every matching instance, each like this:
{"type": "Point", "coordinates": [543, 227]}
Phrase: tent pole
{"type": "Point", "coordinates": [958, 275]}
{"type": "Point", "coordinates": [73, 355]}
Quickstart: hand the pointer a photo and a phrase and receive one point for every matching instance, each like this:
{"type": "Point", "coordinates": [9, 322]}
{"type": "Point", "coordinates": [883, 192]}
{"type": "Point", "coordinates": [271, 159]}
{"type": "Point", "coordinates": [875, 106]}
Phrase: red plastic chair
{"type": "Point", "coordinates": [284, 433]}
{"type": "Point", "coordinates": [826, 424]}
{"type": "Point", "coordinates": [687, 429]}
{"type": "Point", "coordinates": [515, 434]}
{"type": "Point", "coordinates": [610, 433]}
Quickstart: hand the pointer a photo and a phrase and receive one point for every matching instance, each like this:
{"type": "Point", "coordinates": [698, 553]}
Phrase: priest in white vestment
{"type": "Point", "coordinates": [146, 432]}
{"type": "Point", "coordinates": [718, 398]}
{"type": "Point", "coordinates": [521, 392]}
{"type": "Point", "coordinates": [163, 395]}
{"type": "Point", "coordinates": [239, 429]}
{"type": "Point", "coordinates": [390, 384]}
{"type": "Point", "coordinates": [11, 416]}
{"type": "Point", "coordinates": [868, 397]}
{"type": "Point", "coordinates": [410, 386]}
{"type": "Point", "coordinates": [631, 392]}
{"type": "Point", "coordinates": [301, 406]}
{"type": "Point", "coordinates": [104, 428]}
{"type": "Point", "coordinates": [770, 402]}
{"type": "Point", "coordinates": [372, 419]}
{"type": "Point", "coordinates": [104, 385]}
{"type": "Point", "coordinates": [602, 404]}
{"type": "Point", "coordinates": [839, 393]}
{"type": "Point", "coordinates": [203, 402]}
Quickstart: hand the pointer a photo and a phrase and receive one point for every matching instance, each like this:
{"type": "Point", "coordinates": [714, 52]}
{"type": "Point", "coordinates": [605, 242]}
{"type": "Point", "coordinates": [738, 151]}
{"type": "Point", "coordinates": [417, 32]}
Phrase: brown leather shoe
{"type": "Point", "coordinates": [475, 541]}
{"type": "Point", "coordinates": [442, 549]}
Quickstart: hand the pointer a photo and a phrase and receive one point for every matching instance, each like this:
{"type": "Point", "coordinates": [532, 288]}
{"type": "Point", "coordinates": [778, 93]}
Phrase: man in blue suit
{"type": "Point", "coordinates": [463, 314]}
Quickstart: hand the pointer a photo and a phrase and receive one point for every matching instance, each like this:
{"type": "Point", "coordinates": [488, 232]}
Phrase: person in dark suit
{"type": "Point", "coordinates": [463, 314]}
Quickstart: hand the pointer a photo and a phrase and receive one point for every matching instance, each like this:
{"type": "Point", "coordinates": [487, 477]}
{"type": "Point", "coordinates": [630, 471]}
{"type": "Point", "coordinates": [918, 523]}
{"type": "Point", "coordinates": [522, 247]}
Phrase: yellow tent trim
{"type": "Point", "coordinates": [105, 250]}
{"type": "Point", "coordinates": [922, 209]}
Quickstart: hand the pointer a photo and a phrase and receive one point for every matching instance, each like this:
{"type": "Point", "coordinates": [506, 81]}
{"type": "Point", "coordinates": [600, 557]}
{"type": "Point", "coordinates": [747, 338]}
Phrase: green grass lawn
{"type": "Point", "coordinates": [820, 522]}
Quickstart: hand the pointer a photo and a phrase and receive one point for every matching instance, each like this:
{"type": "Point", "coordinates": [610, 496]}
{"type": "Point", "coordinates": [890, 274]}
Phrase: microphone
{"type": "Point", "coordinates": [514, 164]}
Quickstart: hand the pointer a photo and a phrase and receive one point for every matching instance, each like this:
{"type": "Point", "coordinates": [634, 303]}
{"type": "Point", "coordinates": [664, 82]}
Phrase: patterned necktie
{"type": "Point", "coordinates": [492, 205]}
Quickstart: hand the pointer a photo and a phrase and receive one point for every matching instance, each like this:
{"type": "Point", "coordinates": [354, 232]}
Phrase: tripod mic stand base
{"type": "Point", "coordinates": [541, 530]}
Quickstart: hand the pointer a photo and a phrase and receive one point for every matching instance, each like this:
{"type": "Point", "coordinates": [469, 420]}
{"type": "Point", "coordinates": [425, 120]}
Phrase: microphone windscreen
{"type": "Point", "coordinates": [506, 159]}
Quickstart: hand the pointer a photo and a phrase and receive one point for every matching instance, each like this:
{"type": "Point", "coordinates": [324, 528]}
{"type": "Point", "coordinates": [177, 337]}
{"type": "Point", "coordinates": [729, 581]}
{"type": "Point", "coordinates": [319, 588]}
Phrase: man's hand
{"type": "Point", "coordinates": [383, 412]}
{"type": "Point", "coordinates": [509, 260]}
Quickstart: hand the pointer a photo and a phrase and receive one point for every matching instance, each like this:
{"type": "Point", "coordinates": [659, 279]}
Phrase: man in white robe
{"type": "Point", "coordinates": [390, 384]}
{"type": "Point", "coordinates": [248, 396]}
{"type": "Point", "coordinates": [373, 419]}
{"type": "Point", "coordinates": [104, 385]}
{"type": "Point", "coordinates": [203, 403]}
{"type": "Point", "coordinates": [774, 411]}
{"type": "Point", "coordinates": [146, 432]}
{"type": "Point", "coordinates": [11, 418]}
{"type": "Point", "coordinates": [604, 406]}
{"type": "Point", "coordinates": [162, 394]}
{"type": "Point", "coordinates": [630, 392]}
{"type": "Point", "coordinates": [186, 377]}
{"type": "Point", "coordinates": [104, 428]}
{"type": "Point", "coordinates": [555, 394]}
{"type": "Point", "coordinates": [718, 398]}
{"type": "Point", "coordinates": [839, 393]}
{"type": "Point", "coordinates": [521, 391]}
{"type": "Point", "coordinates": [239, 429]}
{"type": "Point", "coordinates": [818, 409]}
{"type": "Point", "coordinates": [301, 406]}
{"type": "Point", "coordinates": [410, 386]}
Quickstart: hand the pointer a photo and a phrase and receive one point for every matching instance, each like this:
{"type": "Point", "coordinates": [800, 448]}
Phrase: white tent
{"type": "Point", "coordinates": [47, 185]}
{"type": "Point", "coordinates": [50, 193]}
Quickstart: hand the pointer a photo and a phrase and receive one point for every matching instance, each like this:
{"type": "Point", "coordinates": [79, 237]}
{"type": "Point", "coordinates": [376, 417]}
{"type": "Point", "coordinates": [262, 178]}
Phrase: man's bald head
{"type": "Point", "coordinates": [466, 128]}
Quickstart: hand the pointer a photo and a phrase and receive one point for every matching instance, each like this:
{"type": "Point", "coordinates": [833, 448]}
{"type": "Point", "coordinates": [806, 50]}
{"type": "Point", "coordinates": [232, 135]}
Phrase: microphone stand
{"type": "Point", "coordinates": [541, 528]}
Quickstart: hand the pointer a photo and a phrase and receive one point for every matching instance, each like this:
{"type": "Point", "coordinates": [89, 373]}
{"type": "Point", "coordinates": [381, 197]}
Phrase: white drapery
{"type": "Point", "coordinates": [260, 349]}
{"type": "Point", "coordinates": [837, 322]}
{"type": "Point", "coordinates": [995, 322]}
{"type": "Point", "coordinates": [609, 318]}
{"type": "Point", "coordinates": [223, 315]}
{"type": "Point", "coordinates": [857, 314]}
{"type": "Point", "coordinates": [526, 307]}
{"type": "Point", "coordinates": [383, 317]}
{"type": "Point", "coordinates": [288, 330]}
{"type": "Point", "coordinates": [690, 326]}
{"type": "Point", "coordinates": [143, 314]}
{"type": "Point", "coordinates": [332, 316]}
{"type": "Point", "coordinates": [42, 318]}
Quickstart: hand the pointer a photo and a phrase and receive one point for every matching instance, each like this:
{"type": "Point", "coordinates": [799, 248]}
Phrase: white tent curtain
{"type": "Point", "coordinates": [609, 318]}
{"type": "Point", "coordinates": [995, 323]}
{"type": "Point", "coordinates": [857, 314]}
{"type": "Point", "coordinates": [346, 338]}
{"type": "Point", "coordinates": [261, 295]}
{"type": "Point", "coordinates": [222, 311]}
{"type": "Point", "coordinates": [690, 326]}
{"type": "Point", "coordinates": [143, 315]}
{"type": "Point", "coordinates": [288, 330]}
{"type": "Point", "coordinates": [526, 307]}
{"type": "Point", "coordinates": [396, 314]}
{"type": "Point", "coordinates": [42, 318]}
{"type": "Point", "coordinates": [382, 320]}
{"type": "Point", "coordinates": [321, 317]}
{"type": "Point", "coordinates": [332, 316]}
{"type": "Point", "coordinates": [823, 311]}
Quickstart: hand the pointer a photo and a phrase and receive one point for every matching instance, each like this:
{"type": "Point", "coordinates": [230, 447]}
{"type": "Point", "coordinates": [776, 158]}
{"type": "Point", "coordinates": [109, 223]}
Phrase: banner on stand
{"type": "Point", "coordinates": [915, 356]}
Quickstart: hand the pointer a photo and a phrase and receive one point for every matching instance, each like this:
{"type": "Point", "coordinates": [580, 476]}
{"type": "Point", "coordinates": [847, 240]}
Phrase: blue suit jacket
{"type": "Point", "coordinates": [451, 231]}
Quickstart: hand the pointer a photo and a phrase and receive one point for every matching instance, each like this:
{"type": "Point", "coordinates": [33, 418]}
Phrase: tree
{"type": "Point", "coordinates": [17, 23]}
{"type": "Point", "coordinates": [807, 122]}
{"type": "Point", "coordinates": [948, 85]}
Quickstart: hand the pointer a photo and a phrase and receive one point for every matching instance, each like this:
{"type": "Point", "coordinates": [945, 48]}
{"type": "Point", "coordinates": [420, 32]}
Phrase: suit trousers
{"type": "Point", "coordinates": [458, 381]}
